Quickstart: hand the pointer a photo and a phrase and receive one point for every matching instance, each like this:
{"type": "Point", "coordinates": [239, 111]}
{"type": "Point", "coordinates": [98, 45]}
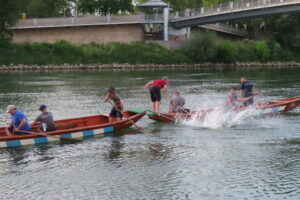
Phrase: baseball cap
{"type": "Point", "coordinates": [10, 107]}
{"type": "Point", "coordinates": [42, 107]}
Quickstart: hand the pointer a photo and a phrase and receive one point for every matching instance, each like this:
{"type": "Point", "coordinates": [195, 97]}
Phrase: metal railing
{"type": "Point", "coordinates": [78, 21]}
{"type": "Point", "coordinates": [230, 7]}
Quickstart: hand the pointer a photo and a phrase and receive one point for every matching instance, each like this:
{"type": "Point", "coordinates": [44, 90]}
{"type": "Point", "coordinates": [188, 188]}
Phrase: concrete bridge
{"type": "Point", "coordinates": [130, 28]}
{"type": "Point", "coordinates": [235, 10]}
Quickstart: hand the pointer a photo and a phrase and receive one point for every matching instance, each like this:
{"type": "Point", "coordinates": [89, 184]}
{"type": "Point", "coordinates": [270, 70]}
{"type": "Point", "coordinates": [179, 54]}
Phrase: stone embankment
{"type": "Point", "coordinates": [235, 65]}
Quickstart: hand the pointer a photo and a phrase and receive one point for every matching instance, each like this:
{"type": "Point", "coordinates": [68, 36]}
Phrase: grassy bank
{"type": "Point", "coordinates": [65, 53]}
{"type": "Point", "coordinates": [204, 47]}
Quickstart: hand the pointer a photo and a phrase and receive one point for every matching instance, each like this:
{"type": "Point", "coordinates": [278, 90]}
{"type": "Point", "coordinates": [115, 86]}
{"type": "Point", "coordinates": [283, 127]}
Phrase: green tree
{"type": "Point", "coordinates": [47, 8]}
{"type": "Point", "coordinates": [104, 7]}
{"type": "Point", "coordinates": [9, 14]}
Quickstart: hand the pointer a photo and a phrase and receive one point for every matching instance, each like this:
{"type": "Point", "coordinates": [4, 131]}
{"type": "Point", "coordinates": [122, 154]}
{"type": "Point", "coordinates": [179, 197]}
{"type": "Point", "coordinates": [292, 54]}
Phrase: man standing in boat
{"type": "Point", "coordinates": [44, 121]}
{"type": "Point", "coordinates": [117, 109]}
{"type": "Point", "coordinates": [247, 90]}
{"type": "Point", "coordinates": [18, 122]}
{"type": "Point", "coordinates": [154, 87]}
{"type": "Point", "coordinates": [176, 104]}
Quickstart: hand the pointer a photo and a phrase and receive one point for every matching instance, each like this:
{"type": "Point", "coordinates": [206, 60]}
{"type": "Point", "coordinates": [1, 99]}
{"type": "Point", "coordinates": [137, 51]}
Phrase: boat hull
{"type": "Point", "coordinates": [265, 108]}
{"type": "Point", "coordinates": [92, 128]}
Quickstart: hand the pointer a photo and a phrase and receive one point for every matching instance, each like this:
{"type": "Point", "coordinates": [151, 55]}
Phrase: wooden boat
{"type": "Point", "coordinates": [81, 127]}
{"type": "Point", "coordinates": [264, 108]}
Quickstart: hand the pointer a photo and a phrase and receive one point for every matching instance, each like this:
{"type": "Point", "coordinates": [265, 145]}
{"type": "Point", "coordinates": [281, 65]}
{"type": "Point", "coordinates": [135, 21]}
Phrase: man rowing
{"type": "Point", "coordinates": [18, 122]}
{"type": "Point", "coordinates": [176, 104]}
{"type": "Point", "coordinates": [44, 121]}
{"type": "Point", "coordinates": [117, 109]}
{"type": "Point", "coordinates": [154, 87]}
{"type": "Point", "coordinates": [232, 98]}
{"type": "Point", "coordinates": [247, 90]}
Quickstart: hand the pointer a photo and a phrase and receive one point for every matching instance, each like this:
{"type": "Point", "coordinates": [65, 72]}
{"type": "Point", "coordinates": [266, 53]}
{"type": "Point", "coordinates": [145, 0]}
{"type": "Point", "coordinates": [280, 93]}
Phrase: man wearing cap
{"type": "Point", "coordinates": [116, 111]}
{"type": "Point", "coordinates": [154, 87]}
{"type": "Point", "coordinates": [18, 122]}
{"type": "Point", "coordinates": [44, 121]}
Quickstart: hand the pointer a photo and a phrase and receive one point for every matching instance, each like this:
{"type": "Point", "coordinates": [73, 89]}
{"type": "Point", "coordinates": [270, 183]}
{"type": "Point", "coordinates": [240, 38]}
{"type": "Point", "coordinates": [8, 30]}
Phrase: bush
{"type": "Point", "coordinates": [201, 47]}
{"type": "Point", "coordinates": [226, 52]}
{"type": "Point", "coordinates": [262, 51]}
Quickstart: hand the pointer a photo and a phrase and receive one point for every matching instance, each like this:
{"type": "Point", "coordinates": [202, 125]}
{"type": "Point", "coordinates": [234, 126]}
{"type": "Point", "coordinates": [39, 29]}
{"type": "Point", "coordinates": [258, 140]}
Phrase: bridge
{"type": "Point", "coordinates": [235, 10]}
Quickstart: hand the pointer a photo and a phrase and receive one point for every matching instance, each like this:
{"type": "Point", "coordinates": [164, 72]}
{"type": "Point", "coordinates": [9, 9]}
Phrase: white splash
{"type": "Point", "coordinates": [220, 117]}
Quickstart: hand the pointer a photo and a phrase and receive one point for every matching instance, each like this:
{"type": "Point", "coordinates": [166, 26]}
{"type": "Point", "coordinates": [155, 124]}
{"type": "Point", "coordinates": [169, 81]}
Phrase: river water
{"type": "Point", "coordinates": [224, 158]}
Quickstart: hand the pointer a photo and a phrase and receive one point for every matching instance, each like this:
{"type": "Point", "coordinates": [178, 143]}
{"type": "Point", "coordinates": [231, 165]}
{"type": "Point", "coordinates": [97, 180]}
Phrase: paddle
{"type": "Point", "coordinates": [54, 136]}
{"type": "Point", "coordinates": [133, 123]}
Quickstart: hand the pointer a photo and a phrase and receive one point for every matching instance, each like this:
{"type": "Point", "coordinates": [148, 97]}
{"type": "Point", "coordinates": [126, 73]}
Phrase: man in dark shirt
{"type": "Point", "coordinates": [44, 121]}
{"type": "Point", "coordinates": [247, 90]}
{"type": "Point", "coordinates": [116, 111]}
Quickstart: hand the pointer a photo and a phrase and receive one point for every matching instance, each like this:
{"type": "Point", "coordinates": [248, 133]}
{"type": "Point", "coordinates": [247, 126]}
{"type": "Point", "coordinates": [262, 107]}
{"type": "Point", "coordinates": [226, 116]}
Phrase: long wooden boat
{"type": "Point", "coordinates": [264, 108]}
{"type": "Point", "coordinates": [81, 127]}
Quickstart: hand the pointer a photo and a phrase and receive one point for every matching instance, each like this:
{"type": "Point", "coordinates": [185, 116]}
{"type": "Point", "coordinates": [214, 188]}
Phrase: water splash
{"type": "Point", "coordinates": [220, 117]}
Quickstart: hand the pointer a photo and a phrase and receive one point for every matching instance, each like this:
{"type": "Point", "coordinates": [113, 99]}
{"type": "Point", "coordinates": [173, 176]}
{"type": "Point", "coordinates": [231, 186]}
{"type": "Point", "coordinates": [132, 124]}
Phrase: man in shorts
{"type": "Point", "coordinates": [44, 121]}
{"type": "Point", "coordinates": [154, 87]}
{"type": "Point", "coordinates": [117, 109]}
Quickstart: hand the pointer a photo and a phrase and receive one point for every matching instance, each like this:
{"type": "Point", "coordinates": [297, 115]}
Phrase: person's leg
{"type": "Point", "coordinates": [153, 106]}
{"type": "Point", "coordinates": [157, 106]}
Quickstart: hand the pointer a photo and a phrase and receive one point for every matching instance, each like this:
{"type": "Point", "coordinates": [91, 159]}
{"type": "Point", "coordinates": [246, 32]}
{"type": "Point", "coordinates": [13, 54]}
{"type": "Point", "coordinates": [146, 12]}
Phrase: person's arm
{"type": "Point", "coordinates": [9, 124]}
{"type": "Point", "coordinates": [243, 99]}
{"type": "Point", "coordinates": [228, 101]}
{"type": "Point", "coordinates": [122, 105]}
{"type": "Point", "coordinates": [166, 91]}
{"type": "Point", "coordinates": [23, 122]}
{"type": "Point", "coordinates": [170, 107]}
{"type": "Point", "coordinates": [242, 93]}
{"type": "Point", "coordinates": [148, 84]}
{"type": "Point", "coordinates": [106, 98]}
{"type": "Point", "coordinates": [257, 92]}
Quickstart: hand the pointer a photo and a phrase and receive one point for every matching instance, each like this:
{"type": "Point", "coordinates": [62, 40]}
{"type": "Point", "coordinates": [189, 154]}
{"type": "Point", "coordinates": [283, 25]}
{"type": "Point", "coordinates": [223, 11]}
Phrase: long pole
{"type": "Point", "coordinates": [133, 123]}
{"type": "Point", "coordinates": [54, 136]}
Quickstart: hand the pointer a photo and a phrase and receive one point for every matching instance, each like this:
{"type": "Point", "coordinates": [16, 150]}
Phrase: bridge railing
{"type": "Point", "coordinates": [231, 7]}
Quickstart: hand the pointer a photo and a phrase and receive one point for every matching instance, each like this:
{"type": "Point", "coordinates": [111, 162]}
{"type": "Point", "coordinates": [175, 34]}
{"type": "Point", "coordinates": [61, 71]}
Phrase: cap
{"type": "Point", "coordinates": [10, 107]}
{"type": "Point", "coordinates": [111, 89]}
{"type": "Point", "coordinates": [42, 107]}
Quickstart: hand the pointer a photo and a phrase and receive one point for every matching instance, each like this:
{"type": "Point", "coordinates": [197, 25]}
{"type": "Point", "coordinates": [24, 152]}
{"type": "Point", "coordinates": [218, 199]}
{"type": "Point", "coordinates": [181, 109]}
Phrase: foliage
{"type": "Point", "coordinates": [104, 7]}
{"type": "Point", "coordinates": [262, 50]}
{"type": "Point", "coordinates": [9, 12]}
{"type": "Point", "coordinates": [63, 52]}
{"type": "Point", "coordinates": [202, 46]}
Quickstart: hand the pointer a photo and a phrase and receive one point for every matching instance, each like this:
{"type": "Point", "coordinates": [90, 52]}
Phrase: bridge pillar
{"type": "Point", "coordinates": [166, 24]}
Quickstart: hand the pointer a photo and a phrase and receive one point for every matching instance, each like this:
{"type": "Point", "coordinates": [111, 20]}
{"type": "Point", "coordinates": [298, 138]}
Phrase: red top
{"type": "Point", "coordinates": [159, 83]}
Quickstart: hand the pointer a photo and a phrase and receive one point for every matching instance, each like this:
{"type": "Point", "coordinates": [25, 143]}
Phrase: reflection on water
{"type": "Point", "coordinates": [224, 157]}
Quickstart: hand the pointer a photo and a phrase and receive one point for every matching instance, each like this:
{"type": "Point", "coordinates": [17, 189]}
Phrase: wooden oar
{"type": "Point", "coordinates": [133, 123]}
{"type": "Point", "coordinates": [161, 115]}
{"type": "Point", "coordinates": [54, 136]}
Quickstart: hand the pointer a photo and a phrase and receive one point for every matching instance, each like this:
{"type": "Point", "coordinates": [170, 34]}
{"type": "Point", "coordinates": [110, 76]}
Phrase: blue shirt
{"type": "Point", "coordinates": [247, 88]}
{"type": "Point", "coordinates": [16, 119]}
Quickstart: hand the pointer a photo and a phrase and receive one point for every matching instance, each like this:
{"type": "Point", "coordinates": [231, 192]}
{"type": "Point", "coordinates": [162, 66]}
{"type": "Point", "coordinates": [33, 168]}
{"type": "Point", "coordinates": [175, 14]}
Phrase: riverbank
{"type": "Point", "coordinates": [236, 65]}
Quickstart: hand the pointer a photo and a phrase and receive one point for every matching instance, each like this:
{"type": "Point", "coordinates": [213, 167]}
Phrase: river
{"type": "Point", "coordinates": [248, 158]}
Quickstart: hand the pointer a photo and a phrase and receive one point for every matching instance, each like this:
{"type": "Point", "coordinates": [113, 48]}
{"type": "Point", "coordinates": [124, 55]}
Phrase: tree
{"type": "Point", "coordinates": [104, 7]}
{"type": "Point", "coordinates": [9, 14]}
{"type": "Point", "coordinates": [47, 8]}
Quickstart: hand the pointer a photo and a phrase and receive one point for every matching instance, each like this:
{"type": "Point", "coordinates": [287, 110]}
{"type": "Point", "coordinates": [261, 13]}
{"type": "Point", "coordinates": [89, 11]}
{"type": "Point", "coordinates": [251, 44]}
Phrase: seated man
{"type": "Point", "coordinates": [232, 98]}
{"type": "Point", "coordinates": [117, 109]}
{"type": "Point", "coordinates": [18, 122]}
{"type": "Point", "coordinates": [44, 121]}
{"type": "Point", "coordinates": [176, 104]}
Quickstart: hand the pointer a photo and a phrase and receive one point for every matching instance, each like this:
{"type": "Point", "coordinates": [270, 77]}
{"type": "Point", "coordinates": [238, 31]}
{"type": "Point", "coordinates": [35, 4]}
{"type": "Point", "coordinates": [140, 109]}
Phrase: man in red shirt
{"type": "Point", "coordinates": [154, 87]}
